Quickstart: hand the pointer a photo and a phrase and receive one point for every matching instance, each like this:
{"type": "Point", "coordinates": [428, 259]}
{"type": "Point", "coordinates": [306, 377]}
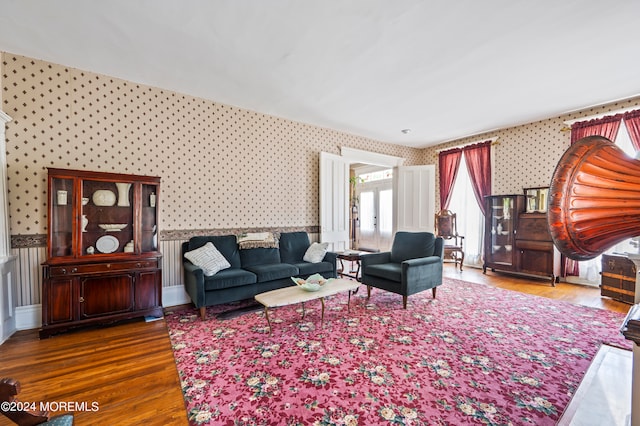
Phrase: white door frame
{"type": "Point", "coordinates": [358, 156]}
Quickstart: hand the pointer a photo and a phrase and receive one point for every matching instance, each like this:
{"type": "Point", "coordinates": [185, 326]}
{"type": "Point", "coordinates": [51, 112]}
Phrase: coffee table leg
{"type": "Point", "coordinates": [266, 314]}
{"type": "Point", "coordinates": [322, 316]}
{"type": "Point", "coordinates": [349, 301]}
{"type": "Point", "coordinates": [303, 312]}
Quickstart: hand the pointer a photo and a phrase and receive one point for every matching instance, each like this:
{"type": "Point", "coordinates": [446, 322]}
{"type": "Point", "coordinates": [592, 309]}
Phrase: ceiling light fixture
{"type": "Point", "coordinates": [406, 131]}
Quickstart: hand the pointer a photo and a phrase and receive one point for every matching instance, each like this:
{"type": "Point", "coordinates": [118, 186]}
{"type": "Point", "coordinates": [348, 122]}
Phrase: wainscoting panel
{"type": "Point", "coordinates": [29, 274]}
{"type": "Point", "coordinates": [171, 263]}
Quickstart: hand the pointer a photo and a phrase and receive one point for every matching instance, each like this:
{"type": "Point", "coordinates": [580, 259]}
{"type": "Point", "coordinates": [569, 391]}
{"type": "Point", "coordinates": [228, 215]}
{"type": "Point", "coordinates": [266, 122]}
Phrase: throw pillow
{"type": "Point", "coordinates": [315, 253]}
{"type": "Point", "coordinates": [208, 258]}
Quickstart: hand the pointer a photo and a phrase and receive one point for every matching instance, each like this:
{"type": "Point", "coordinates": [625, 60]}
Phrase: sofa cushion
{"type": "Point", "coordinates": [388, 271]}
{"type": "Point", "coordinates": [259, 256]}
{"type": "Point", "coordinates": [315, 253]}
{"type": "Point", "coordinates": [412, 245]}
{"type": "Point", "coordinates": [226, 244]}
{"type": "Point", "coordinates": [274, 271]}
{"type": "Point", "coordinates": [293, 246]}
{"type": "Point", "coordinates": [229, 278]}
{"type": "Point", "coordinates": [208, 258]}
{"type": "Point", "coordinates": [307, 268]}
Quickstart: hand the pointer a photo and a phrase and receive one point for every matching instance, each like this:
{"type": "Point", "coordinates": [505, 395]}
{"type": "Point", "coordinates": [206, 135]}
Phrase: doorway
{"type": "Point", "coordinates": [376, 215]}
{"type": "Point", "coordinates": [412, 203]}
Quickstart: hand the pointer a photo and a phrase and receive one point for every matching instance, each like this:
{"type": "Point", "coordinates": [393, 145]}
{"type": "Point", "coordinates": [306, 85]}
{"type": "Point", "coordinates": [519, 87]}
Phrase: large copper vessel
{"type": "Point", "coordinates": [594, 199]}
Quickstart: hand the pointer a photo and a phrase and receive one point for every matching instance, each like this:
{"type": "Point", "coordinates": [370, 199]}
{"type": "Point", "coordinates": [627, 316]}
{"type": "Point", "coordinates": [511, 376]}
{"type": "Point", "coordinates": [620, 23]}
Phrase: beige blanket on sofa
{"type": "Point", "coordinates": [257, 240]}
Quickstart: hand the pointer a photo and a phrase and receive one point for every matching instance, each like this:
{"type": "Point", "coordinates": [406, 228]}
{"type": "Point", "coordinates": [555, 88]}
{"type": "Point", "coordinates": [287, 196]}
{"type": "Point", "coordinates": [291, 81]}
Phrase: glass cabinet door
{"type": "Point", "coordinates": [107, 217]}
{"type": "Point", "coordinates": [502, 214]}
{"type": "Point", "coordinates": [149, 224]}
{"type": "Point", "coordinates": [61, 217]}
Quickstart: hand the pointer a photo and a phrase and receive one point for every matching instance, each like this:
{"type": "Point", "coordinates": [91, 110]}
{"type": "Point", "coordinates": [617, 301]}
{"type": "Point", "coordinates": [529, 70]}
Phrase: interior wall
{"type": "Point", "coordinates": [525, 156]}
{"type": "Point", "coordinates": [221, 166]}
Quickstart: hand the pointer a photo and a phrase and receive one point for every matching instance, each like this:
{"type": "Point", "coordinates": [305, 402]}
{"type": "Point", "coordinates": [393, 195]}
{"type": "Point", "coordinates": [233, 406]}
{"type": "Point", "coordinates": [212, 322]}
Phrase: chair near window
{"type": "Point", "coordinates": [445, 224]}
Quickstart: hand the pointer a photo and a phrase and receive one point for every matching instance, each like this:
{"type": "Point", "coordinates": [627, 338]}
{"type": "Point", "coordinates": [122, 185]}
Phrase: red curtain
{"type": "Point", "coordinates": [478, 159]}
{"type": "Point", "coordinates": [449, 163]}
{"type": "Point", "coordinates": [632, 121]}
{"type": "Point", "coordinates": [606, 126]}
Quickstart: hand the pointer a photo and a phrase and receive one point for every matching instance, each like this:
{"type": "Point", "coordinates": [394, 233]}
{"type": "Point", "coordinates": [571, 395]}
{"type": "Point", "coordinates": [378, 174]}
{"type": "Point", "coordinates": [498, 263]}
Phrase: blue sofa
{"type": "Point", "coordinates": [252, 271]}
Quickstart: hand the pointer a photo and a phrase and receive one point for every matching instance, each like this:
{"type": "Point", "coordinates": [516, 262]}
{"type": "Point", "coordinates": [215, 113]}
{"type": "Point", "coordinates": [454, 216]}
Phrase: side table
{"type": "Point", "coordinates": [350, 256]}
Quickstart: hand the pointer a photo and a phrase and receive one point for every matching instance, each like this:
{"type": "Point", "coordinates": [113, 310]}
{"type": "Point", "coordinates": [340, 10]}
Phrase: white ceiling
{"type": "Point", "coordinates": [444, 69]}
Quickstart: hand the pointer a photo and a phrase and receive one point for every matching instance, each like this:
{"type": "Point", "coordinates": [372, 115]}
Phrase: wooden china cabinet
{"type": "Point", "coordinates": [103, 263]}
{"type": "Point", "coordinates": [518, 240]}
{"type": "Point", "coordinates": [501, 222]}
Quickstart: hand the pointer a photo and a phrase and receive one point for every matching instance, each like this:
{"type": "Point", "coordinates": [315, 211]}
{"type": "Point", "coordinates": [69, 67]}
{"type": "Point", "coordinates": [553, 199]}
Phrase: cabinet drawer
{"type": "Point", "coordinates": [533, 227]}
{"type": "Point", "coordinates": [534, 245]}
{"type": "Point", "coordinates": [93, 268]}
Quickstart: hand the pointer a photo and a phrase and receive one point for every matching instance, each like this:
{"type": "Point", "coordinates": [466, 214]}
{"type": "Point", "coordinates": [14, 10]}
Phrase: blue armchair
{"type": "Point", "coordinates": [414, 264]}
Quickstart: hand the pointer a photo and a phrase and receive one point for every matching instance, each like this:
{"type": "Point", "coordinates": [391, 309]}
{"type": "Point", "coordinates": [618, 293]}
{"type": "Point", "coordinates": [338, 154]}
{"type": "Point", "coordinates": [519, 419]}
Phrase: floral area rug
{"type": "Point", "coordinates": [474, 355]}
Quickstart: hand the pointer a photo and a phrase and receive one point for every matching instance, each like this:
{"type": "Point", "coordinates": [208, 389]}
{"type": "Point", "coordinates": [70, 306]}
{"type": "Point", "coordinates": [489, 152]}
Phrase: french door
{"type": "Point", "coordinates": [376, 215]}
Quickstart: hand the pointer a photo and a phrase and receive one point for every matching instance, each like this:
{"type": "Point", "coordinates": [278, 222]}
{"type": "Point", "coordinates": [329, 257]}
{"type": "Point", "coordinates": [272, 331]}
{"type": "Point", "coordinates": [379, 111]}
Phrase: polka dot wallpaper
{"type": "Point", "coordinates": [221, 166]}
{"type": "Point", "coordinates": [525, 156]}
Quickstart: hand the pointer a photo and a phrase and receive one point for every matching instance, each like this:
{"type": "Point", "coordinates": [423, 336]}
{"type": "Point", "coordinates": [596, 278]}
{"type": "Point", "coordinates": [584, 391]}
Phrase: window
{"type": "Point", "coordinates": [470, 221]}
{"type": "Point", "coordinates": [377, 175]}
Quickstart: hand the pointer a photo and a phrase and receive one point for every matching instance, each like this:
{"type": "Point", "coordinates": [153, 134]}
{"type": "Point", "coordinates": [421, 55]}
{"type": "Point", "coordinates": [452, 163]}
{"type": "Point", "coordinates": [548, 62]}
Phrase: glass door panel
{"type": "Point", "coordinates": [385, 215]}
{"type": "Point", "coordinates": [149, 231]}
{"type": "Point", "coordinates": [367, 220]}
{"type": "Point", "coordinates": [376, 216]}
{"type": "Point", "coordinates": [107, 217]}
{"type": "Point", "coordinates": [502, 222]}
{"type": "Point", "coordinates": [61, 217]}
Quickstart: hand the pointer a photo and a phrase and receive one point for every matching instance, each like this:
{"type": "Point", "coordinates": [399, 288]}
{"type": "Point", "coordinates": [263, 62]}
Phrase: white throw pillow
{"type": "Point", "coordinates": [208, 258]}
{"type": "Point", "coordinates": [315, 253]}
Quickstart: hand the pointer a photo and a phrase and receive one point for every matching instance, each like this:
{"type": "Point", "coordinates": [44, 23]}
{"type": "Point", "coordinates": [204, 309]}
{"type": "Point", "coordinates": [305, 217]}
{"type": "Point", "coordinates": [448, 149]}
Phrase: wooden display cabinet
{"type": "Point", "coordinates": [501, 220]}
{"type": "Point", "coordinates": [517, 241]}
{"type": "Point", "coordinates": [103, 262]}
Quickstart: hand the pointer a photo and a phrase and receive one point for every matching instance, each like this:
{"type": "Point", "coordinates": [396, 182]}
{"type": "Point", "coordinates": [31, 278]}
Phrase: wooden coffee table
{"type": "Point", "coordinates": [294, 294]}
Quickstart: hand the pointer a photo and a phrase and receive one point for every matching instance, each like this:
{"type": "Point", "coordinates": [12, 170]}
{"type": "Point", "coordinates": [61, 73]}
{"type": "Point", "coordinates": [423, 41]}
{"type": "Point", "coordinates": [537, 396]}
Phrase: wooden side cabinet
{"type": "Point", "coordinates": [103, 263]}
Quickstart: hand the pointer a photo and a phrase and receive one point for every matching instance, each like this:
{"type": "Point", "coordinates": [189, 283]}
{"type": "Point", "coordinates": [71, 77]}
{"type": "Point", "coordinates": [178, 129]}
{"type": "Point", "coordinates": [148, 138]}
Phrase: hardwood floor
{"type": "Point", "coordinates": [573, 293]}
{"type": "Point", "coordinates": [129, 369]}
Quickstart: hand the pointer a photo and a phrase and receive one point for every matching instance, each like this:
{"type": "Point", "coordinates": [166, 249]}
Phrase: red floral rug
{"type": "Point", "coordinates": [475, 355]}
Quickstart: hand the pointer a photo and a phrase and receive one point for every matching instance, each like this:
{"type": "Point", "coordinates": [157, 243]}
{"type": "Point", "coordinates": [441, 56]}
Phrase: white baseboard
{"type": "Point", "coordinates": [174, 295]}
{"type": "Point", "coordinates": [30, 317]}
